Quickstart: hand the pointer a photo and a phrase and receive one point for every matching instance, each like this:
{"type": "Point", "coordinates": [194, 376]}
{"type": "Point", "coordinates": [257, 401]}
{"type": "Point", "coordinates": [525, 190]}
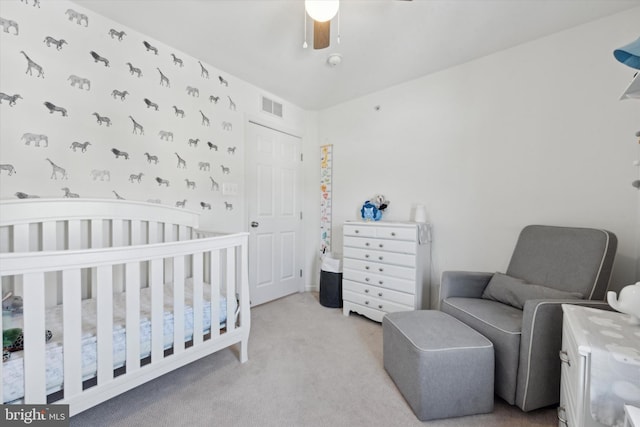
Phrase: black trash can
{"type": "Point", "coordinates": [331, 282]}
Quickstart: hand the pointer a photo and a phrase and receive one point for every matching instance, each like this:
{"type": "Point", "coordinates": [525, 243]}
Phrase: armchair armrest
{"type": "Point", "coordinates": [465, 284]}
{"type": "Point", "coordinates": [541, 341]}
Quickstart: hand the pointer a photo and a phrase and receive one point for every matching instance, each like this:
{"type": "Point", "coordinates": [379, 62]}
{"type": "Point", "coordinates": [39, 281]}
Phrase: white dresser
{"type": "Point", "coordinates": [386, 267]}
{"type": "Point", "coordinates": [600, 359]}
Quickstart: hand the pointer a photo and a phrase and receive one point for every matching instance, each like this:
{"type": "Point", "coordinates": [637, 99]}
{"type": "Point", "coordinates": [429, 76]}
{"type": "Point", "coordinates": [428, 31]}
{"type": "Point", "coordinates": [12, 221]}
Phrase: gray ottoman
{"type": "Point", "coordinates": [442, 367]}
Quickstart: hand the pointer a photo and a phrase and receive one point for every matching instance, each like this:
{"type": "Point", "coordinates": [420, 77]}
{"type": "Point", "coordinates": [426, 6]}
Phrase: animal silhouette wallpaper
{"type": "Point", "coordinates": [90, 108]}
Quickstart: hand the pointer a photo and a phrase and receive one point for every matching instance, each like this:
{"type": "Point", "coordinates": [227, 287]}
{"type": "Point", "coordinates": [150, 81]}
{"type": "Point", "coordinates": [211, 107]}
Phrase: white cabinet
{"type": "Point", "coordinates": [601, 352]}
{"type": "Point", "coordinates": [575, 357]}
{"type": "Point", "coordinates": [386, 268]}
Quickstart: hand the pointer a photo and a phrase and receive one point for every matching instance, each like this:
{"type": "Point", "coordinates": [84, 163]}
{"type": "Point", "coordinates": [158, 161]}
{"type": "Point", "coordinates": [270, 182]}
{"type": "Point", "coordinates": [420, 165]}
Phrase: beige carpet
{"type": "Point", "coordinates": [308, 366]}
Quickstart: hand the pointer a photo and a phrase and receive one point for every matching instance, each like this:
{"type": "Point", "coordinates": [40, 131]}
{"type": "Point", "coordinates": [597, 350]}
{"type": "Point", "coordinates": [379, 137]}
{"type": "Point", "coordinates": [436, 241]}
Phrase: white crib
{"type": "Point", "coordinates": [134, 285]}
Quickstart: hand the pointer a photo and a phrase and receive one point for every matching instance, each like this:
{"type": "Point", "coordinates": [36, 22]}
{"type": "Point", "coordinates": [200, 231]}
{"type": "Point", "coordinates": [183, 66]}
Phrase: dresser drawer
{"type": "Point", "coordinates": [375, 303]}
{"type": "Point", "coordinates": [381, 245]}
{"type": "Point", "coordinates": [368, 278]}
{"type": "Point", "coordinates": [407, 260]}
{"type": "Point", "coordinates": [377, 292]}
{"type": "Point", "coordinates": [380, 269]}
{"type": "Point", "coordinates": [381, 231]}
{"type": "Point", "coordinates": [359, 230]}
{"type": "Point", "coordinates": [396, 233]}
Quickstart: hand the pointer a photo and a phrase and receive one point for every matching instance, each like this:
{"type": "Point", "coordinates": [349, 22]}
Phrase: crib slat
{"type": "Point", "coordinates": [49, 239]}
{"type": "Point", "coordinates": [152, 233]}
{"type": "Point", "coordinates": [157, 310]}
{"type": "Point", "coordinates": [74, 234]}
{"type": "Point", "coordinates": [197, 298]}
{"type": "Point", "coordinates": [95, 243]}
{"type": "Point", "coordinates": [215, 293]}
{"type": "Point", "coordinates": [136, 232]}
{"type": "Point", "coordinates": [182, 233]}
{"type": "Point", "coordinates": [49, 235]}
{"type": "Point", "coordinates": [72, 324]}
{"type": "Point", "coordinates": [34, 342]}
{"type": "Point", "coordinates": [117, 240]}
{"type": "Point", "coordinates": [117, 226]}
{"type": "Point", "coordinates": [20, 237]}
{"type": "Point", "coordinates": [96, 233]}
{"type": "Point", "coordinates": [104, 327]}
{"type": "Point", "coordinates": [178, 304]}
{"type": "Point", "coordinates": [133, 316]}
{"type": "Point", "coordinates": [20, 244]}
{"type": "Point", "coordinates": [230, 271]}
{"type": "Point", "coordinates": [168, 232]}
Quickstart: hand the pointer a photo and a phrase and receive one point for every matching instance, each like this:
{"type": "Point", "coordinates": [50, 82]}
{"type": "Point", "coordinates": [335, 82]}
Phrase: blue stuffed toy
{"type": "Point", "coordinates": [370, 212]}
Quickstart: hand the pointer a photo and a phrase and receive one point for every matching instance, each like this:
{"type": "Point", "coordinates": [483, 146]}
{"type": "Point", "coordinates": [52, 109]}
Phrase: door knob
{"type": "Point", "coordinates": [255, 224]}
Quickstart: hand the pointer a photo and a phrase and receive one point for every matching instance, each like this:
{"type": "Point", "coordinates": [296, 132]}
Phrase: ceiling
{"type": "Point", "coordinates": [383, 42]}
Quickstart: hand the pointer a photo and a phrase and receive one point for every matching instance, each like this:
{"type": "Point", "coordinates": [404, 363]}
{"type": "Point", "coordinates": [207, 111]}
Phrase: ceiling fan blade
{"type": "Point", "coordinates": [321, 34]}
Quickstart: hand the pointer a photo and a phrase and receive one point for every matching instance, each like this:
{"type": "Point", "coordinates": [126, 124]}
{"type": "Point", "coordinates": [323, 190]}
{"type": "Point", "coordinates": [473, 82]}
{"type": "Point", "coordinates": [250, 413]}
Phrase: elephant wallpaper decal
{"type": "Point", "coordinates": [101, 105]}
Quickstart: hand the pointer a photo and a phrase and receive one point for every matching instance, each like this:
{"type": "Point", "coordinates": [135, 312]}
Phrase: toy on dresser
{"type": "Point", "coordinates": [372, 209]}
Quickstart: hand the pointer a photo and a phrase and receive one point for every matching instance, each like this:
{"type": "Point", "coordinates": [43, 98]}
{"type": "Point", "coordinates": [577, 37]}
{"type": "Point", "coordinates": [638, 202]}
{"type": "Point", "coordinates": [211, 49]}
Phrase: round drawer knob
{"type": "Point", "coordinates": [393, 234]}
{"type": "Point", "coordinates": [381, 269]}
{"type": "Point", "coordinates": [366, 302]}
{"type": "Point", "coordinates": [357, 231]}
{"type": "Point", "coordinates": [366, 255]}
{"type": "Point", "coordinates": [366, 279]}
{"type": "Point", "coordinates": [380, 306]}
{"type": "Point", "coordinates": [366, 267]}
{"type": "Point", "coordinates": [366, 291]}
{"type": "Point", "coordinates": [367, 244]}
{"type": "Point", "coordinates": [380, 282]}
{"type": "Point", "coordinates": [379, 294]}
{"type": "Point", "coordinates": [380, 258]}
{"type": "Point", "coordinates": [381, 245]}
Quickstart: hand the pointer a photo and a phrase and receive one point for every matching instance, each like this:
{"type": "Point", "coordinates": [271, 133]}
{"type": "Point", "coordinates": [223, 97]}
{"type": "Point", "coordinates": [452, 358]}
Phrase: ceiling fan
{"type": "Point", "coordinates": [322, 12]}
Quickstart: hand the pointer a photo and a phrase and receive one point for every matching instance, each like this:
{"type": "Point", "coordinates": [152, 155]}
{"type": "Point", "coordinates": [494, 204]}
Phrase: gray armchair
{"type": "Point", "coordinates": [520, 312]}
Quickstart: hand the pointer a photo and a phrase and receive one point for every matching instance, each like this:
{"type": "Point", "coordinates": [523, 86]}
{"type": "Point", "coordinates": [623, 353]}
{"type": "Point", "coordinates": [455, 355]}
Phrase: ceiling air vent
{"type": "Point", "coordinates": [272, 107]}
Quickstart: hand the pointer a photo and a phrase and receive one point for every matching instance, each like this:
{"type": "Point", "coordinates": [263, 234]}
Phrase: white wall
{"type": "Point", "coordinates": [533, 134]}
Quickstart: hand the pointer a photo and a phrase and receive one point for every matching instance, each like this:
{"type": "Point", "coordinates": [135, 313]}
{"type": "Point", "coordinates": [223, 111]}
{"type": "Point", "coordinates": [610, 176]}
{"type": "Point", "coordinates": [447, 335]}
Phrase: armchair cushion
{"type": "Point", "coordinates": [515, 292]}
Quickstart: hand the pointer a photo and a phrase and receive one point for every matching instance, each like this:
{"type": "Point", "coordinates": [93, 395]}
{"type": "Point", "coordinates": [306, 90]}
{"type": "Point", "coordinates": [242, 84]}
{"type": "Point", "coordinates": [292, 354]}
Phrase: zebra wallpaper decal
{"type": "Point", "coordinates": [118, 94]}
{"type": "Point", "coordinates": [117, 34]}
{"type": "Point", "coordinates": [133, 70]}
{"type": "Point", "coordinates": [57, 43]}
{"type": "Point", "coordinates": [82, 146]}
{"type": "Point", "coordinates": [114, 105]}
{"type": "Point", "coordinates": [102, 119]}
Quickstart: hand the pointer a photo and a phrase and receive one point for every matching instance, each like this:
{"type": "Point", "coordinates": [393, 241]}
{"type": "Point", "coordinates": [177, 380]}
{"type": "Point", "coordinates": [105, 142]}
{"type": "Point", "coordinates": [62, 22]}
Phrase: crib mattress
{"type": "Point", "coordinates": [13, 369]}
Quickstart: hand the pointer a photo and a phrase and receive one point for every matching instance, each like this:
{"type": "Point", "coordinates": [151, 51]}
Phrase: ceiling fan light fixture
{"type": "Point", "coordinates": [321, 10]}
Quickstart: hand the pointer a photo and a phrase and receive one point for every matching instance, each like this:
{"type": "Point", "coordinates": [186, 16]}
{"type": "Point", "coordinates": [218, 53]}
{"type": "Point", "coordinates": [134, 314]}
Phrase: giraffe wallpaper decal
{"type": "Point", "coordinates": [108, 111]}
